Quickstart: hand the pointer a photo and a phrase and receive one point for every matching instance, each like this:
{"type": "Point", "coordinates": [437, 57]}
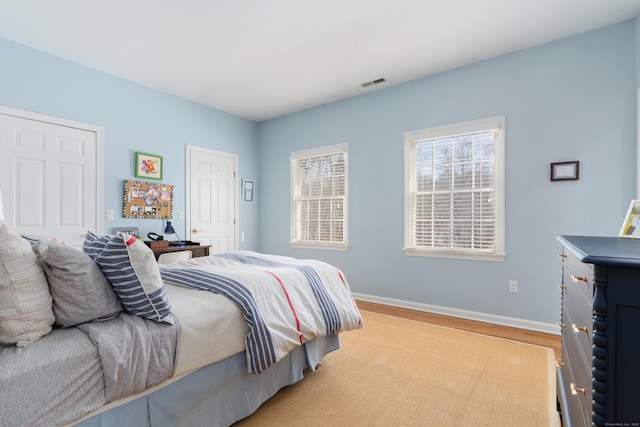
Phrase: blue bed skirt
{"type": "Point", "coordinates": [215, 395]}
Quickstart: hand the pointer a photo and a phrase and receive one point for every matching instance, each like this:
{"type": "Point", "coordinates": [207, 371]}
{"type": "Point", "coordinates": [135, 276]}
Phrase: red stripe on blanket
{"type": "Point", "coordinates": [293, 310]}
{"type": "Point", "coordinates": [341, 277]}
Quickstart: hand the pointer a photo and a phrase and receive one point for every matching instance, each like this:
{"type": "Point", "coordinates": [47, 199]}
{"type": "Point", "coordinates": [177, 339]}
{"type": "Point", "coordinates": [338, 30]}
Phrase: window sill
{"type": "Point", "coordinates": [323, 246]}
{"type": "Point", "coordinates": [453, 254]}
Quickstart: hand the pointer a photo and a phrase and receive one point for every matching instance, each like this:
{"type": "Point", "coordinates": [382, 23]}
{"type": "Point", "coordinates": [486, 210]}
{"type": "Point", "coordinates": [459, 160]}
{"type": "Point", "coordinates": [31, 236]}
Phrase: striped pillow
{"type": "Point", "coordinates": [133, 271]}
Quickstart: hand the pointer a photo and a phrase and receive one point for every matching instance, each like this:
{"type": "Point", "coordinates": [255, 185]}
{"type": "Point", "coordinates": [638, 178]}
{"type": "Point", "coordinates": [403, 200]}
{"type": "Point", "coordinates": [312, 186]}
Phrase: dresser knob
{"type": "Point", "coordinates": [578, 279]}
{"type": "Point", "coordinates": [577, 329]}
{"type": "Point", "coordinates": [559, 364]}
{"type": "Point", "coordinates": [562, 256]}
{"type": "Point", "coordinates": [575, 390]}
{"type": "Point", "coordinates": [563, 287]}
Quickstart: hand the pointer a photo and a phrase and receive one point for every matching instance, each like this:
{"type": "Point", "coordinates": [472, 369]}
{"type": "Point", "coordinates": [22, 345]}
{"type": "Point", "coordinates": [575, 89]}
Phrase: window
{"type": "Point", "coordinates": [319, 197]}
{"type": "Point", "coordinates": [454, 191]}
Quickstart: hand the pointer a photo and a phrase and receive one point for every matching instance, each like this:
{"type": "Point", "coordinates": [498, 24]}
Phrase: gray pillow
{"type": "Point", "coordinates": [81, 293]}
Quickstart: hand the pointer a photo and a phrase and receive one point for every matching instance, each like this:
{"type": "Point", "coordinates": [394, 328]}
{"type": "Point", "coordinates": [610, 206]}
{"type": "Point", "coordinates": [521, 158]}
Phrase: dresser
{"type": "Point", "coordinates": [598, 378]}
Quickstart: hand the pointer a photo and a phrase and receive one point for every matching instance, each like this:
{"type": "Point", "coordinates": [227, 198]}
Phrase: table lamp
{"type": "Point", "coordinates": [170, 230]}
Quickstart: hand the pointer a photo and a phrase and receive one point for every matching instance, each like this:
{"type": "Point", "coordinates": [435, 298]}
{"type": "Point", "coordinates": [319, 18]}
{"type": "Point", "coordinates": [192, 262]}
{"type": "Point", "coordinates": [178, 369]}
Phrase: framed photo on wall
{"type": "Point", "coordinates": [565, 171]}
{"type": "Point", "coordinates": [248, 190]}
{"type": "Point", "coordinates": [148, 166]}
{"type": "Point", "coordinates": [631, 224]}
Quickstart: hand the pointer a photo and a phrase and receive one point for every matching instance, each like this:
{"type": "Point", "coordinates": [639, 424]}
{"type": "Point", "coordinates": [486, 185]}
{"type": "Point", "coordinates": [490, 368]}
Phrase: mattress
{"type": "Point", "coordinates": [211, 329]}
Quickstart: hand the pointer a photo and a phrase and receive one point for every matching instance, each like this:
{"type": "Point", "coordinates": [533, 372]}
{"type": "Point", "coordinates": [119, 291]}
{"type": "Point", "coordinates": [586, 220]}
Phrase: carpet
{"type": "Point", "coordinates": [399, 372]}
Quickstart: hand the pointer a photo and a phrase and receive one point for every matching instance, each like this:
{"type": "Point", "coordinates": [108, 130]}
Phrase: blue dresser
{"type": "Point", "coordinates": [598, 378]}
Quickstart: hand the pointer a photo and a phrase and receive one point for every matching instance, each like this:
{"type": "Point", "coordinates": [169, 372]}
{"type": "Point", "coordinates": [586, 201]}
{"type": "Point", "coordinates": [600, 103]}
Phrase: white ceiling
{"type": "Point", "coordinates": [261, 59]}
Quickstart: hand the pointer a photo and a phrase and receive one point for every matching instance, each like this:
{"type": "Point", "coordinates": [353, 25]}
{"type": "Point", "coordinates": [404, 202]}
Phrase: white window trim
{"type": "Point", "coordinates": [497, 122]}
{"type": "Point", "coordinates": [314, 152]}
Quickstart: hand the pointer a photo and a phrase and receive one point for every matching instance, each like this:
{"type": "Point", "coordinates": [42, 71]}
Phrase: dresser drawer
{"type": "Point", "coordinates": [577, 317]}
{"type": "Point", "coordinates": [579, 361]}
{"type": "Point", "coordinates": [580, 355]}
{"type": "Point", "coordinates": [578, 274]}
{"type": "Point", "coordinates": [575, 409]}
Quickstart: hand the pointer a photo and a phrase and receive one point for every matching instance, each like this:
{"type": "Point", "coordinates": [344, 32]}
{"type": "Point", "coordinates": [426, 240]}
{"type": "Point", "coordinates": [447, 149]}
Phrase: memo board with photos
{"type": "Point", "coordinates": [147, 200]}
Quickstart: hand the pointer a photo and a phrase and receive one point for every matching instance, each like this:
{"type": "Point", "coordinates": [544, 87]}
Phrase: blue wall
{"type": "Point", "coordinates": [135, 118]}
{"type": "Point", "coordinates": [573, 99]}
{"type": "Point", "coordinates": [638, 51]}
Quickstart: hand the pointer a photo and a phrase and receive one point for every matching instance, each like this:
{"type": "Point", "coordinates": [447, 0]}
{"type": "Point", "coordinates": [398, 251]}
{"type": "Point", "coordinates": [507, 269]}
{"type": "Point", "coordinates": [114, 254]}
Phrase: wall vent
{"type": "Point", "coordinates": [374, 82]}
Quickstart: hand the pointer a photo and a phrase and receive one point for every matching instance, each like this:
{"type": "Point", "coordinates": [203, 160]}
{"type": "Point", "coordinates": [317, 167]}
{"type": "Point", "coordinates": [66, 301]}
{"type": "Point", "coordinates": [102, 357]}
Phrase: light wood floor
{"type": "Point", "coordinates": [515, 334]}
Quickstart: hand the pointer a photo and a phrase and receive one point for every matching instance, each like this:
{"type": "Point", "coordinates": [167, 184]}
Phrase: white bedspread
{"type": "Point", "coordinates": [211, 327]}
{"type": "Point", "coordinates": [285, 301]}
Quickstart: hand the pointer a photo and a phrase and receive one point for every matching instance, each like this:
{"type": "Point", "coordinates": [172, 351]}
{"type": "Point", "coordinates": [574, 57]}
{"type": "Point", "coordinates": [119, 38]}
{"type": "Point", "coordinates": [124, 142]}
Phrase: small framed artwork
{"type": "Point", "coordinates": [631, 224]}
{"type": "Point", "coordinates": [248, 190]}
{"type": "Point", "coordinates": [565, 171]}
{"type": "Point", "coordinates": [148, 166]}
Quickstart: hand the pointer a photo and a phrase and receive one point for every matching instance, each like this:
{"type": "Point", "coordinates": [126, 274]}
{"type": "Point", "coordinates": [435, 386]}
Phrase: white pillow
{"type": "Point", "coordinates": [26, 310]}
{"type": "Point", "coordinates": [133, 271]}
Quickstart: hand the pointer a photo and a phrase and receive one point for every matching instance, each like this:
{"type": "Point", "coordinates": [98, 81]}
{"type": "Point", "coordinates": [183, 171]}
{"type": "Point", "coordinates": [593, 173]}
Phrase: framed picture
{"type": "Point", "coordinates": [631, 224]}
{"type": "Point", "coordinates": [147, 200]}
{"type": "Point", "coordinates": [565, 171]}
{"type": "Point", "coordinates": [148, 166]}
{"type": "Point", "coordinates": [248, 190]}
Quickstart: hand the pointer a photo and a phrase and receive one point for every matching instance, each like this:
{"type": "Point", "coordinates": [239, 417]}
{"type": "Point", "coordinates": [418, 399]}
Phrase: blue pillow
{"type": "Point", "coordinates": [133, 271]}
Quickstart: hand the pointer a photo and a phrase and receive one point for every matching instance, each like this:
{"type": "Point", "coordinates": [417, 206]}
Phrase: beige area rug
{"type": "Point", "coordinates": [399, 372]}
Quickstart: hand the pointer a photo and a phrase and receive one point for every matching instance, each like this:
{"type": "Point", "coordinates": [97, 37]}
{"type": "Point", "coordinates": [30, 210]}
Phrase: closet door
{"type": "Point", "coordinates": [50, 175]}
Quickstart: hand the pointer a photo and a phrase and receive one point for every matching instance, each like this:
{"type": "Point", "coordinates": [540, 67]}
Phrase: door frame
{"type": "Point", "coordinates": [99, 166]}
{"type": "Point", "coordinates": [236, 206]}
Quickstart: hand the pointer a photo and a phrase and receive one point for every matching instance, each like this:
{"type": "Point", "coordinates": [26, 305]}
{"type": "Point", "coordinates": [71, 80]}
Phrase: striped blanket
{"type": "Point", "coordinates": [285, 301]}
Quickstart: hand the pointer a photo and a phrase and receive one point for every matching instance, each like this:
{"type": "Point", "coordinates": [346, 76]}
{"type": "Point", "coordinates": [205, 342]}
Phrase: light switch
{"type": "Point", "coordinates": [110, 215]}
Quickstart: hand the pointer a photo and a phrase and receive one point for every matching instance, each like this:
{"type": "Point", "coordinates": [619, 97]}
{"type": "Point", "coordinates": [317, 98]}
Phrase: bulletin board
{"type": "Point", "coordinates": [147, 200]}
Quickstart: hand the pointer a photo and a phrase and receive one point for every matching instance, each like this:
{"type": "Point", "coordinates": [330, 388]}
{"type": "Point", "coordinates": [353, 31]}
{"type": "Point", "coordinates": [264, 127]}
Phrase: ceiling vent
{"type": "Point", "coordinates": [373, 82]}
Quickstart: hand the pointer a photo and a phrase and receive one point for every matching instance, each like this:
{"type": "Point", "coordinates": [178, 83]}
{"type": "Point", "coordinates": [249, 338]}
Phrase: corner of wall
{"type": "Point", "coordinates": [637, 40]}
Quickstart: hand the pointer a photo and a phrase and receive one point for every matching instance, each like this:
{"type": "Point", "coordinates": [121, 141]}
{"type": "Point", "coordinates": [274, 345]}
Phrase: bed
{"type": "Point", "coordinates": [107, 337]}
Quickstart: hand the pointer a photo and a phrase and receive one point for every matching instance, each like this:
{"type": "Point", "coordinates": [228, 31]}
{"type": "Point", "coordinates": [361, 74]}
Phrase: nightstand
{"type": "Point", "coordinates": [196, 250]}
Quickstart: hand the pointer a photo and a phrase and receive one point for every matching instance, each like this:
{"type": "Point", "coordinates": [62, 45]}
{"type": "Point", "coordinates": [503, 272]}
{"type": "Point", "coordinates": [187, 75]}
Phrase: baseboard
{"type": "Point", "coordinates": [513, 322]}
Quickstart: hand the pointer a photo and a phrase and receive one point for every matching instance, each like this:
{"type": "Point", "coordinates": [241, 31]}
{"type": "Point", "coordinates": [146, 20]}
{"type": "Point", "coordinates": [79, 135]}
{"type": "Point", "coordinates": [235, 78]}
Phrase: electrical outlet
{"type": "Point", "coordinates": [513, 286]}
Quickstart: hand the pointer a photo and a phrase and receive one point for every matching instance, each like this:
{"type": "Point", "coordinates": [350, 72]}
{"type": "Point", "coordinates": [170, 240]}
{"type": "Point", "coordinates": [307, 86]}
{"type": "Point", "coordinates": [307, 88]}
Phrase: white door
{"type": "Point", "coordinates": [211, 199]}
{"type": "Point", "coordinates": [50, 175]}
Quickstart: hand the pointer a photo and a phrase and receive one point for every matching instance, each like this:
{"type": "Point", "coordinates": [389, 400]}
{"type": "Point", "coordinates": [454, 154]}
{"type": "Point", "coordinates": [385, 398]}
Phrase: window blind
{"type": "Point", "coordinates": [453, 191]}
{"type": "Point", "coordinates": [319, 193]}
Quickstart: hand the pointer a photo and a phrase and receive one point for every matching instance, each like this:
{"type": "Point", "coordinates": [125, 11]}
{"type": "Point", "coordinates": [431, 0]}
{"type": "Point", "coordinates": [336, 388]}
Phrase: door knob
{"type": "Point", "coordinates": [195, 230]}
